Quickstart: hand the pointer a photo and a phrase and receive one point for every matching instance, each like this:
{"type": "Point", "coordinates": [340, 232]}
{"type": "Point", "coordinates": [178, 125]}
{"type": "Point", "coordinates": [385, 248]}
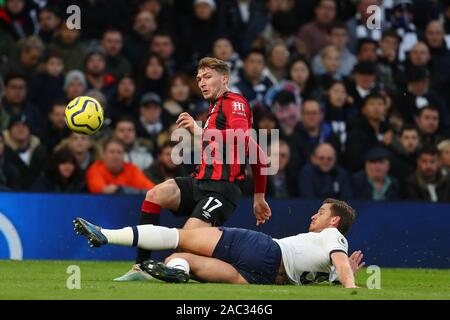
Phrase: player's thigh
{"type": "Point", "coordinates": [166, 194]}
{"type": "Point", "coordinates": [201, 241]}
{"type": "Point", "coordinates": [210, 269]}
{"type": "Point", "coordinates": [195, 223]}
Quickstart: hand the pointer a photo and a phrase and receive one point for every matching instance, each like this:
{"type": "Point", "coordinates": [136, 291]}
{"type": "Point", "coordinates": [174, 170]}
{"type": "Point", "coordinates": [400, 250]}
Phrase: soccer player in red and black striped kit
{"type": "Point", "coordinates": [211, 194]}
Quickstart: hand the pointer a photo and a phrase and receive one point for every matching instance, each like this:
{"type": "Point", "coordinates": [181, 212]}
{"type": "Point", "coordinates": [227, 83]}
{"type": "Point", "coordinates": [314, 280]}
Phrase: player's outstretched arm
{"type": "Point", "coordinates": [345, 273]}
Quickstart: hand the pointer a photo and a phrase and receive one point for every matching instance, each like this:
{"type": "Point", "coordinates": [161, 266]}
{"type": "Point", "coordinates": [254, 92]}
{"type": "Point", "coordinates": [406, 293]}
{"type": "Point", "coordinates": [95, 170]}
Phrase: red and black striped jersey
{"type": "Point", "coordinates": [230, 111]}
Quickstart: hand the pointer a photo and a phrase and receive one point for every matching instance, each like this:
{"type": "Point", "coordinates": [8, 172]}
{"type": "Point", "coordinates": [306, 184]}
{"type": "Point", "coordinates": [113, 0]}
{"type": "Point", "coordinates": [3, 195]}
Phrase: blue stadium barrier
{"type": "Point", "coordinates": [39, 226]}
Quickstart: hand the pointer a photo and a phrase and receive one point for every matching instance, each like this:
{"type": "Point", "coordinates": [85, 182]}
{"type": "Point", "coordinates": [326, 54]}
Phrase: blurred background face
{"type": "Point", "coordinates": [331, 61]}
{"type": "Point", "coordinates": [2, 146]}
{"type": "Point", "coordinates": [68, 36]}
{"type": "Point", "coordinates": [419, 87]}
{"type": "Point", "coordinates": [444, 156]}
{"type": "Point", "coordinates": [179, 91]}
{"type": "Point", "coordinates": [281, 152]}
{"type": "Point", "coordinates": [368, 52]}
{"type": "Point", "coordinates": [428, 122]}
{"type": "Point", "coordinates": [279, 57]}
{"type": "Point", "coordinates": [15, 6]}
{"type": "Point", "coordinates": [79, 143]}
{"type": "Point", "coordinates": [223, 49]}
{"type": "Point", "coordinates": [20, 132]}
{"type": "Point", "coordinates": [377, 170]}
{"type": "Point", "coordinates": [339, 38]}
{"type": "Point", "coordinates": [203, 11]}
{"type": "Point", "coordinates": [389, 47]}
{"type": "Point", "coordinates": [95, 65]}
{"type": "Point", "coordinates": [337, 95]}
{"type": "Point", "coordinates": [419, 54]}
{"type": "Point", "coordinates": [55, 66]}
{"type": "Point", "coordinates": [326, 12]}
{"type": "Point", "coordinates": [254, 66]}
{"type": "Point", "coordinates": [57, 116]}
{"type": "Point", "coordinates": [435, 34]}
{"type": "Point", "coordinates": [154, 69]}
{"type": "Point", "coordinates": [125, 132]}
{"type": "Point", "coordinates": [126, 88]}
{"type": "Point", "coordinates": [75, 89]}
{"type": "Point", "coordinates": [144, 23]}
{"type": "Point", "coordinates": [66, 169]}
{"type": "Point", "coordinates": [48, 21]}
{"type": "Point", "coordinates": [299, 72]}
{"type": "Point", "coordinates": [30, 58]}
{"type": "Point", "coordinates": [365, 81]}
{"type": "Point", "coordinates": [428, 165]}
{"type": "Point", "coordinates": [409, 140]}
{"type": "Point", "coordinates": [112, 43]}
{"type": "Point", "coordinates": [312, 116]}
{"type": "Point", "coordinates": [375, 109]}
{"type": "Point", "coordinates": [163, 46]}
{"type": "Point", "coordinates": [287, 115]}
{"type": "Point", "coordinates": [166, 159]}
{"type": "Point", "coordinates": [113, 157]}
{"type": "Point", "coordinates": [16, 91]}
{"type": "Point", "coordinates": [324, 157]}
{"type": "Point", "coordinates": [150, 113]}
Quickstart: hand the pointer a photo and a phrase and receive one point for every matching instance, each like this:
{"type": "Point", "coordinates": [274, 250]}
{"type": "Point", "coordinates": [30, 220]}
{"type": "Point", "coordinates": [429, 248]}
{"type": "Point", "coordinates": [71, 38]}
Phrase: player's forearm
{"type": "Point", "coordinates": [346, 276]}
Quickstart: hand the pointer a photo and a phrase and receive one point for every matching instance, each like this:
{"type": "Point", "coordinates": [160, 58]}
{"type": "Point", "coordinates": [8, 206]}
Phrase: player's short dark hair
{"type": "Point", "coordinates": [254, 51]}
{"type": "Point", "coordinates": [337, 25]}
{"type": "Point", "coordinates": [168, 144]}
{"type": "Point", "coordinates": [14, 75]}
{"type": "Point", "coordinates": [112, 30]}
{"type": "Point", "coordinates": [373, 96]}
{"type": "Point", "coordinates": [392, 33]}
{"type": "Point", "coordinates": [364, 41]}
{"type": "Point", "coordinates": [428, 149]}
{"type": "Point", "coordinates": [428, 107]}
{"type": "Point", "coordinates": [343, 210]}
{"type": "Point", "coordinates": [112, 140]}
{"type": "Point", "coordinates": [408, 127]}
{"type": "Point", "coordinates": [215, 64]}
{"type": "Point", "coordinates": [124, 119]}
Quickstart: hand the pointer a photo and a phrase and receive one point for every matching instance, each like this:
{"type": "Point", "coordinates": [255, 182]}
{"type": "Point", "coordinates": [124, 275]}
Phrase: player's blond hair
{"type": "Point", "coordinates": [214, 64]}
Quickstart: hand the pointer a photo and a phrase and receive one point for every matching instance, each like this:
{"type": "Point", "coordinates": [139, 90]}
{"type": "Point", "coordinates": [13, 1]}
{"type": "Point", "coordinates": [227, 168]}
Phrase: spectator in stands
{"type": "Point", "coordinates": [179, 97]}
{"type": "Point", "coordinates": [67, 44]}
{"type": "Point", "coordinates": [374, 183]}
{"type": "Point", "coordinates": [163, 168]}
{"type": "Point", "coordinates": [338, 37]}
{"type": "Point", "coordinates": [15, 101]}
{"type": "Point", "coordinates": [358, 26]}
{"type": "Point", "coordinates": [418, 95]}
{"type": "Point", "coordinates": [112, 175]}
{"type": "Point", "coordinates": [18, 18]}
{"type": "Point", "coordinates": [223, 49]}
{"type": "Point", "coordinates": [368, 130]}
{"type": "Point", "coordinates": [74, 84]}
{"type": "Point", "coordinates": [444, 156]}
{"type": "Point", "coordinates": [313, 131]}
{"type": "Point", "coordinates": [153, 75]}
{"type": "Point", "coordinates": [8, 48]}
{"type": "Point", "coordinates": [402, 21]}
{"type": "Point", "coordinates": [339, 113]}
{"type": "Point", "coordinates": [278, 60]}
{"type": "Point", "coordinates": [31, 50]}
{"type": "Point", "coordinates": [427, 122]}
{"type": "Point", "coordinates": [151, 121]}
{"type": "Point", "coordinates": [124, 101]}
{"type": "Point", "coordinates": [322, 177]}
{"type": "Point", "coordinates": [404, 148]}
{"type": "Point", "coordinates": [27, 154]}
{"type": "Point", "coordinates": [62, 175]}
{"type": "Point", "coordinates": [163, 45]}
{"type": "Point", "coordinates": [9, 176]}
{"type": "Point", "coordinates": [428, 183]}
{"type": "Point", "coordinates": [137, 150]}
{"type": "Point", "coordinates": [253, 85]}
{"type": "Point", "coordinates": [315, 33]}
{"type": "Point", "coordinates": [366, 50]}
{"type": "Point", "coordinates": [116, 64]}
{"type": "Point", "coordinates": [419, 56]}
{"type": "Point", "coordinates": [82, 147]}
{"type": "Point", "coordinates": [95, 71]}
{"type": "Point", "coordinates": [300, 73]}
{"type": "Point", "coordinates": [137, 42]}
{"type": "Point", "coordinates": [387, 63]}
{"type": "Point", "coordinates": [55, 129]}
{"type": "Point", "coordinates": [364, 76]}
{"type": "Point", "coordinates": [49, 22]}
{"type": "Point", "coordinates": [331, 60]}
{"type": "Point", "coordinates": [242, 21]}
{"type": "Point", "coordinates": [47, 87]}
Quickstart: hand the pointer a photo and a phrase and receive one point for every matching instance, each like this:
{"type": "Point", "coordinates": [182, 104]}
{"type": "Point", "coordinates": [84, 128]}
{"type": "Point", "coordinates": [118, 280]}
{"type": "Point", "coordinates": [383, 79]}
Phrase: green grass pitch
{"type": "Point", "coordinates": [47, 280]}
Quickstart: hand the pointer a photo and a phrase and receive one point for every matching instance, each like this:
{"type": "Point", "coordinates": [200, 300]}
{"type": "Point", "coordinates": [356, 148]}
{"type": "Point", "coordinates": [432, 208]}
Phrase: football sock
{"type": "Point", "coordinates": [179, 263]}
{"type": "Point", "coordinates": [150, 214]}
{"type": "Point", "coordinates": [148, 237]}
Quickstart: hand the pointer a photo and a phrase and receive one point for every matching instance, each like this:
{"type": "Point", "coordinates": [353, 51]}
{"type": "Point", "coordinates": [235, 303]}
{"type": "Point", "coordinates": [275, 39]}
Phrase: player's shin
{"type": "Point", "coordinates": [150, 214]}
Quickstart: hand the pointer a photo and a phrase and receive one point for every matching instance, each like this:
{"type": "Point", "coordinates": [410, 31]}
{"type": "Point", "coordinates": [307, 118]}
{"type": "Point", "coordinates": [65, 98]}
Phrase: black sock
{"type": "Point", "coordinates": [146, 218]}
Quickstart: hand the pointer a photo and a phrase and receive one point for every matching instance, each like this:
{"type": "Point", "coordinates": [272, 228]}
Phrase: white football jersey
{"type": "Point", "coordinates": [309, 253]}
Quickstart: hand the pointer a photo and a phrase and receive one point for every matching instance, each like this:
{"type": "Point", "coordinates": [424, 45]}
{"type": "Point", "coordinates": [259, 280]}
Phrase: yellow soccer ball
{"type": "Point", "coordinates": [84, 115]}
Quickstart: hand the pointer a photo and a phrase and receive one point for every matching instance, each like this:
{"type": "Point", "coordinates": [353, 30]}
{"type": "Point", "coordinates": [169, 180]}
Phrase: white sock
{"type": "Point", "coordinates": [179, 263]}
{"type": "Point", "coordinates": [147, 236]}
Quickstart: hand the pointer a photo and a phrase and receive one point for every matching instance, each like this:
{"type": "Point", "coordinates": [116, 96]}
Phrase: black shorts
{"type": "Point", "coordinates": [212, 201]}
